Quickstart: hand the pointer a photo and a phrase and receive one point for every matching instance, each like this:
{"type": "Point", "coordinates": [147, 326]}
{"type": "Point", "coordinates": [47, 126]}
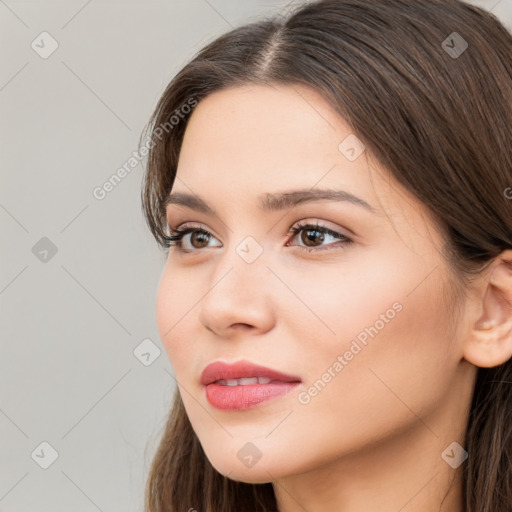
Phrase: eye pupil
{"type": "Point", "coordinates": [199, 234]}
{"type": "Point", "coordinates": [318, 235]}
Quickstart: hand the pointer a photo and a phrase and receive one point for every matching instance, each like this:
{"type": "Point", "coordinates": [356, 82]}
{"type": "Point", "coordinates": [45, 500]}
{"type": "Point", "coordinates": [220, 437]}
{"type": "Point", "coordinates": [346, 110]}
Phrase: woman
{"type": "Point", "coordinates": [335, 192]}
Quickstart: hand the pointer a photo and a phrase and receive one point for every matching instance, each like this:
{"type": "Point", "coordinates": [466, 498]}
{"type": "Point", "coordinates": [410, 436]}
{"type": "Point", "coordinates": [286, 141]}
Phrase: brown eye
{"type": "Point", "coordinates": [312, 236]}
{"type": "Point", "coordinates": [198, 240]}
{"type": "Point", "coordinates": [199, 236]}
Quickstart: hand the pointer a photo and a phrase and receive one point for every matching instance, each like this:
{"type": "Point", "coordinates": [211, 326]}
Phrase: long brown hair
{"type": "Point", "coordinates": [436, 113]}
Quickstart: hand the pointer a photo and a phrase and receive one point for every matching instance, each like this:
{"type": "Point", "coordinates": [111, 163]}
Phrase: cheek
{"type": "Point", "coordinates": [174, 313]}
{"type": "Point", "coordinates": [360, 298]}
{"type": "Point", "coordinates": [357, 298]}
{"type": "Point", "coordinates": [391, 328]}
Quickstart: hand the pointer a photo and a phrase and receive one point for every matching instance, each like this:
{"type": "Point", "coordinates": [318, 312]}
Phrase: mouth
{"type": "Point", "coordinates": [244, 385]}
{"type": "Point", "coordinates": [242, 373]}
{"type": "Point", "coordinates": [246, 381]}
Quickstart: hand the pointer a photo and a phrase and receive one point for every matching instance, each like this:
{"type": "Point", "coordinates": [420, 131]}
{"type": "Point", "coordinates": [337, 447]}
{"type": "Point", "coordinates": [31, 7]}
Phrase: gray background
{"type": "Point", "coordinates": [71, 321]}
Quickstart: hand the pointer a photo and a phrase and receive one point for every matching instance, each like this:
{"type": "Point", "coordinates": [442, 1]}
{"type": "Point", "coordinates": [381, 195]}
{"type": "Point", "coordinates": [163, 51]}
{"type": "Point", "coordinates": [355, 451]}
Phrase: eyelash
{"type": "Point", "coordinates": [175, 239]}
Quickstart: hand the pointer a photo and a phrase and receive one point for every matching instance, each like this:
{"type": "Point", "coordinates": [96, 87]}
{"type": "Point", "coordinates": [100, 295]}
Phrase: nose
{"type": "Point", "coordinates": [238, 297]}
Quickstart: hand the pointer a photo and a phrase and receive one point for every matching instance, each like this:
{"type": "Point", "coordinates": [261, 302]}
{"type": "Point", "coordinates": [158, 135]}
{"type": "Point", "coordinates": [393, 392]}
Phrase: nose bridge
{"type": "Point", "coordinates": [242, 263]}
{"type": "Point", "coordinates": [239, 287]}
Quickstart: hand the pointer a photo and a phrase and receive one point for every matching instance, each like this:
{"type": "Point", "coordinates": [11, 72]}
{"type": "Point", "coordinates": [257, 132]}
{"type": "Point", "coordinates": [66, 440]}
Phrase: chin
{"type": "Point", "coordinates": [247, 471]}
{"type": "Point", "coordinates": [247, 475]}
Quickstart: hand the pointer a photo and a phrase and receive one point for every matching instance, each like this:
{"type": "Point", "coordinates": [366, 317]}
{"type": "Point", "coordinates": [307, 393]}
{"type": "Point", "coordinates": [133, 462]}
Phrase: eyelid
{"type": "Point", "coordinates": [192, 225]}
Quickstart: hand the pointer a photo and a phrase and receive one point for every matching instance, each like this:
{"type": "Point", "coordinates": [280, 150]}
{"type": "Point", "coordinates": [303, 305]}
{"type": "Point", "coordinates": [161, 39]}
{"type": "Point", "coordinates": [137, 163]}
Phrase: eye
{"type": "Point", "coordinates": [177, 237]}
{"type": "Point", "coordinates": [312, 234]}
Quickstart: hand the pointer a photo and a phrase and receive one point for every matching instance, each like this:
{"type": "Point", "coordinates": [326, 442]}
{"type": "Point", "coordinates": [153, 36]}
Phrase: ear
{"type": "Point", "coordinates": [489, 339]}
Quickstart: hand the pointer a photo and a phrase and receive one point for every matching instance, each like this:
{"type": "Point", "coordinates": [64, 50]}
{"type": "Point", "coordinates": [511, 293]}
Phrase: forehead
{"type": "Point", "coordinates": [245, 141]}
{"type": "Point", "coordinates": [261, 135]}
{"type": "Point", "coordinates": [292, 121]}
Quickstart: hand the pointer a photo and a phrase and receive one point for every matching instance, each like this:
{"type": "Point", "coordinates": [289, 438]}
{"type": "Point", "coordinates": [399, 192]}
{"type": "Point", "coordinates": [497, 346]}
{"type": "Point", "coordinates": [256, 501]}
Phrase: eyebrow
{"type": "Point", "coordinates": [273, 202]}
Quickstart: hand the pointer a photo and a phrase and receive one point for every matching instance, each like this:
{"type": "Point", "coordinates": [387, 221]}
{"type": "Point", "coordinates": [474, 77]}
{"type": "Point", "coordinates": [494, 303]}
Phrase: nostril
{"type": "Point", "coordinates": [242, 327]}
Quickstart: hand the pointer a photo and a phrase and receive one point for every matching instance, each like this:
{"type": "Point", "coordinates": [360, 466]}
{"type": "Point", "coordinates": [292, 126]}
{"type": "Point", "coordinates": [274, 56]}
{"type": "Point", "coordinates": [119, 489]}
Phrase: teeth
{"type": "Point", "coordinates": [247, 380]}
{"type": "Point", "coordinates": [244, 381]}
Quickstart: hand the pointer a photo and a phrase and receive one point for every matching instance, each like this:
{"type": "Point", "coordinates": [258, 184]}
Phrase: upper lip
{"type": "Point", "coordinates": [219, 370]}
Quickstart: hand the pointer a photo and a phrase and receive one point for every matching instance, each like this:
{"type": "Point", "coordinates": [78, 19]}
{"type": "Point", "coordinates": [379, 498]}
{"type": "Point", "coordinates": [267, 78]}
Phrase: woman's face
{"type": "Point", "coordinates": [365, 326]}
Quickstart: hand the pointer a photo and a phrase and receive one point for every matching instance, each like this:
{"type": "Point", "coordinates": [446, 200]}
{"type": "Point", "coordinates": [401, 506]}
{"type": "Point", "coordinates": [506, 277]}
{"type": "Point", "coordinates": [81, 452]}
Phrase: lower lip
{"type": "Point", "coordinates": [238, 398]}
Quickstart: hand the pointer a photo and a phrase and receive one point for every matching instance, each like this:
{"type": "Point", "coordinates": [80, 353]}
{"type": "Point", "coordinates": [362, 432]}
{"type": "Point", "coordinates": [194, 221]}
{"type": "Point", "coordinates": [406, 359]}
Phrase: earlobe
{"type": "Point", "coordinates": [489, 341]}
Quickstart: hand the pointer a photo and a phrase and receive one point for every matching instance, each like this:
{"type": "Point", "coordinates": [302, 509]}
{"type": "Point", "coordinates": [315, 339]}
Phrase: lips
{"type": "Point", "coordinates": [242, 373]}
{"type": "Point", "coordinates": [244, 385]}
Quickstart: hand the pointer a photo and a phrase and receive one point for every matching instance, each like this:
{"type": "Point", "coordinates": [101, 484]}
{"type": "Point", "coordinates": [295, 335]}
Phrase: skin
{"type": "Point", "coordinates": [373, 437]}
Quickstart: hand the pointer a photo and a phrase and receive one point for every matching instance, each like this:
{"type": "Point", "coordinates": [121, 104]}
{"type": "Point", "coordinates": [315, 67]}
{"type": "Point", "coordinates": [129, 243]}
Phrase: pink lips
{"type": "Point", "coordinates": [245, 394]}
